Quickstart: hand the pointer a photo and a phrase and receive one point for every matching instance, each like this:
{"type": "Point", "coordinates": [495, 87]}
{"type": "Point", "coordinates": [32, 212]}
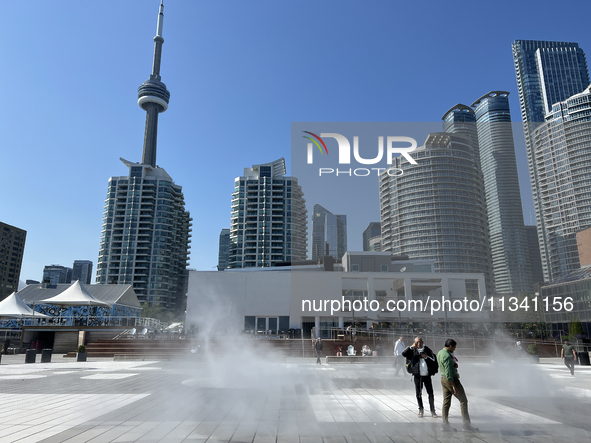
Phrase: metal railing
{"type": "Point", "coordinates": [71, 321]}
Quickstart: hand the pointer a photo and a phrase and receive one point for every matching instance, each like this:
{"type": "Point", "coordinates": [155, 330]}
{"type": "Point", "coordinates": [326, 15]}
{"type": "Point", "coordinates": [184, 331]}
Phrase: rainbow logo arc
{"type": "Point", "coordinates": [315, 142]}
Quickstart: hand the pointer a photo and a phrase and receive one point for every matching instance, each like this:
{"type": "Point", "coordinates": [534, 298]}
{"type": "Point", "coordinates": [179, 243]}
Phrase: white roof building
{"type": "Point", "coordinates": [368, 287]}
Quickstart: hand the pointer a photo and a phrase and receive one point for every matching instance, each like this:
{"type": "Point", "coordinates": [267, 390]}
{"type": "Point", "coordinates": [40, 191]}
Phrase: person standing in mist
{"type": "Point", "coordinates": [398, 358]}
{"type": "Point", "coordinates": [450, 382]}
{"type": "Point", "coordinates": [318, 347]}
{"type": "Point", "coordinates": [565, 353]}
{"type": "Point", "coordinates": [423, 366]}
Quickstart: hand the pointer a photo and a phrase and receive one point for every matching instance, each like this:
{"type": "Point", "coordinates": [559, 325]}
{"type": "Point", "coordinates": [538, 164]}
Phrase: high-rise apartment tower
{"type": "Point", "coordinates": [562, 158]}
{"type": "Point", "coordinates": [12, 248]}
{"type": "Point", "coordinates": [436, 210]}
{"type": "Point", "coordinates": [508, 239]}
{"type": "Point", "coordinates": [268, 221]}
{"type": "Point", "coordinates": [547, 73]}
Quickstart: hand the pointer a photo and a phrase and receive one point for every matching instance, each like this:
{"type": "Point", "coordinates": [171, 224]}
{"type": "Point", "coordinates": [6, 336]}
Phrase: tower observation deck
{"type": "Point", "coordinates": [153, 97]}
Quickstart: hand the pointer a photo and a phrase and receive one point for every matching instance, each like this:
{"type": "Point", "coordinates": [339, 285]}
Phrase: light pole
{"type": "Point", "coordinates": [539, 312]}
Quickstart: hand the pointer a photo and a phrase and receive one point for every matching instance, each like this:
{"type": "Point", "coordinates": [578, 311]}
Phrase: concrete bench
{"type": "Point", "coordinates": [359, 359]}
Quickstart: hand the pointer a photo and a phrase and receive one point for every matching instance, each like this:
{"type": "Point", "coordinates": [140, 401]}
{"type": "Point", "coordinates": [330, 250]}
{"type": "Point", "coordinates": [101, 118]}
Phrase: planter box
{"type": "Point", "coordinates": [81, 356]}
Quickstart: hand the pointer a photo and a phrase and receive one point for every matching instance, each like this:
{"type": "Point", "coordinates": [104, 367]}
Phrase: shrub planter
{"type": "Point", "coordinates": [81, 355]}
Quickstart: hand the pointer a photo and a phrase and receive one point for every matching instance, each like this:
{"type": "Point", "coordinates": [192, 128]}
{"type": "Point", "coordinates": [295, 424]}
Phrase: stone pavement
{"type": "Point", "coordinates": [245, 398]}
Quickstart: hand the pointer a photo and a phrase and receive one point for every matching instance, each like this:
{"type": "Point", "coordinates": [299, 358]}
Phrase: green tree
{"type": "Point", "coordinates": [575, 327]}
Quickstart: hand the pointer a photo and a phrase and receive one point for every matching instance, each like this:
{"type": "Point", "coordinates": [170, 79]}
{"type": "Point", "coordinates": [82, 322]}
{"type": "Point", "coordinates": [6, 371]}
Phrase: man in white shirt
{"type": "Point", "coordinates": [399, 346]}
{"type": "Point", "coordinates": [423, 365]}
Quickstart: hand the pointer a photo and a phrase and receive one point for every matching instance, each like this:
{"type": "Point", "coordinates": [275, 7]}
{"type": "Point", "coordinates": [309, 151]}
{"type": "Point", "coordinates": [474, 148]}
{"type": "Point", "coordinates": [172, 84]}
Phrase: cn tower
{"type": "Point", "coordinates": [153, 97]}
{"type": "Point", "coordinates": [146, 230]}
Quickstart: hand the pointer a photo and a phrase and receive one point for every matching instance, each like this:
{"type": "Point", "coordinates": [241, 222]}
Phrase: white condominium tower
{"type": "Point", "coordinates": [436, 209]}
{"type": "Point", "coordinates": [508, 238]}
{"type": "Point", "coordinates": [562, 157]}
{"type": "Point", "coordinates": [268, 221]}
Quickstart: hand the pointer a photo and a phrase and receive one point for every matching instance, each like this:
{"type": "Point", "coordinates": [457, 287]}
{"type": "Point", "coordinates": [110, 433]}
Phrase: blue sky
{"type": "Point", "coordinates": [239, 74]}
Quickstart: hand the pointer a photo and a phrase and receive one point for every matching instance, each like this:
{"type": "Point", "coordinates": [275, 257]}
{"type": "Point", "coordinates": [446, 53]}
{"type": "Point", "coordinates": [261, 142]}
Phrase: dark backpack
{"type": "Point", "coordinates": [409, 365]}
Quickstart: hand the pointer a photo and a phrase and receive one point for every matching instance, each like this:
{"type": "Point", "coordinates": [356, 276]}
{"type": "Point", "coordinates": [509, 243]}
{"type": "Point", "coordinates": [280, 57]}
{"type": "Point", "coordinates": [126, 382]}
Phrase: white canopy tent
{"type": "Point", "coordinates": [13, 307]}
{"type": "Point", "coordinates": [75, 295]}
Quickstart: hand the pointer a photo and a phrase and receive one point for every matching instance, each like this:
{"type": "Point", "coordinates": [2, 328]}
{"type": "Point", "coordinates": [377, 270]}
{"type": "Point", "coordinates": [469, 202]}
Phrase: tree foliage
{"type": "Point", "coordinates": [575, 327]}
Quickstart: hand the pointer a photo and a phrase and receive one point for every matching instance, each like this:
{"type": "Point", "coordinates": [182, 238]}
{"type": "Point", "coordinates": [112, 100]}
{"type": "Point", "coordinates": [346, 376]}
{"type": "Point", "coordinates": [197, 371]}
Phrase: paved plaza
{"type": "Point", "coordinates": [250, 398]}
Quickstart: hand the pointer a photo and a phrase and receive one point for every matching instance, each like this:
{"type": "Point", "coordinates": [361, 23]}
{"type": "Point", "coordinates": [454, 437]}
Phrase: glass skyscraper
{"type": "Point", "coordinates": [547, 73]}
{"type": "Point", "coordinates": [328, 229]}
{"type": "Point", "coordinates": [268, 221]}
{"type": "Point", "coordinates": [146, 230]}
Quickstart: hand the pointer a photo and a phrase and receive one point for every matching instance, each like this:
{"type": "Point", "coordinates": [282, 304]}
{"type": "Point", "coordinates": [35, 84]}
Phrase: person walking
{"type": "Point", "coordinates": [423, 366]}
{"type": "Point", "coordinates": [398, 358]}
{"type": "Point", "coordinates": [565, 353]}
{"type": "Point", "coordinates": [318, 347]}
{"type": "Point", "coordinates": [450, 382]}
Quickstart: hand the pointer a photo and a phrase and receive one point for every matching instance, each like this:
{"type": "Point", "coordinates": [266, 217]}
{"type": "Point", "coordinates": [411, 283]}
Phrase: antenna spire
{"type": "Point", "coordinates": [153, 96]}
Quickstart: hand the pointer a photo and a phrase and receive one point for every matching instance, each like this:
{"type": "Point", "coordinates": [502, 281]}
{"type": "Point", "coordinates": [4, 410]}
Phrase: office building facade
{"type": "Point", "coordinates": [562, 158]}
{"type": "Point", "coordinates": [82, 270]}
{"type": "Point", "coordinates": [12, 248]}
{"type": "Point", "coordinates": [547, 73]}
{"type": "Point", "coordinates": [329, 233]}
{"type": "Point", "coordinates": [268, 218]}
{"type": "Point", "coordinates": [146, 230]}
